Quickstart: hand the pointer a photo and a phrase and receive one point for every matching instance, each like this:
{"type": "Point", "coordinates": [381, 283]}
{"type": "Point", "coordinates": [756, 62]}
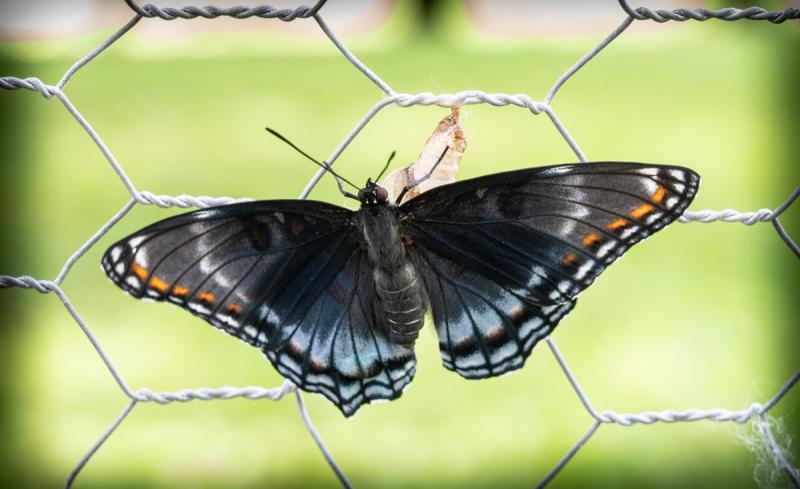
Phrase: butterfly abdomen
{"type": "Point", "coordinates": [395, 278]}
{"type": "Point", "coordinates": [401, 298]}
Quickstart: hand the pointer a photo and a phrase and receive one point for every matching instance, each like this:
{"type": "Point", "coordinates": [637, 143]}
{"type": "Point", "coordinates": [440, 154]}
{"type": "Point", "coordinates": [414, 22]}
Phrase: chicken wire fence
{"type": "Point", "coordinates": [755, 412]}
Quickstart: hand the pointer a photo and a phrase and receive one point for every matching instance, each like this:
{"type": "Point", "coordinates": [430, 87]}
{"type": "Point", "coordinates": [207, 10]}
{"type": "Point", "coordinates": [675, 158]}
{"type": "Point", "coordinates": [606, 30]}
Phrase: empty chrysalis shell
{"type": "Point", "coordinates": [447, 133]}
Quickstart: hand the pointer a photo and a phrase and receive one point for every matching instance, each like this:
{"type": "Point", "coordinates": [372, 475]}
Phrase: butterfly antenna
{"type": "Point", "coordinates": [423, 177]}
{"type": "Point", "coordinates": [339, 178]}
{"type": "Point", "coordinates": [391, 157]}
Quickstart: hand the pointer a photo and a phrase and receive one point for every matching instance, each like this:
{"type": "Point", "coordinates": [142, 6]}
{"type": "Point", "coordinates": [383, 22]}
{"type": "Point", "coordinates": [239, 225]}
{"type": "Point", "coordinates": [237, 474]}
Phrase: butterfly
{"type": "Point", "coordinates": [335, 298]}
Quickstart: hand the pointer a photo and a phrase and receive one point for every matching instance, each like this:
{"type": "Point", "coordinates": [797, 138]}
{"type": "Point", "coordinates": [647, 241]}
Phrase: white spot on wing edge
{"type": "Point", "coordinates": [199, 308]}
{"type": "Point", "coordinates": [603, 251]}
{"type": "Point", "coordinates": [504, 353]}
{"type": "Point", "coordinates": [627, 232]}
{"type": "Point", "coordinates": [224, 318]}
{"type": "Point", "coordinates": [648, 171]}
{"type": "Point", "coordinates": [537, 336]}
{"type": "Point", "coordinates": [135, 242]}
{"type": "Point", "coordinates": [653, 217]}
{"type": "Point", "coordinates": [321, 381]}
{"type": "Point", "coordinates": [349, 390]}
{"type": "Point", "coordinates": [584, 269]}
{"type": "Point", "coordinates": [473, 360]}
{"type": "Point", "coordinates": [677, 175]}
{"type": "Point", "coordinates": [527, 327]}
{"type": "Point", "coordinates": [672, 202]}
{"type": "Point", "coordinates": [651, 187]}
{"type": "Point", "coordinates": [116, 252]}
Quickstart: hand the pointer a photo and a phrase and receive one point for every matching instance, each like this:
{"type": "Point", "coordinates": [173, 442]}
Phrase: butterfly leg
{"type": "Point", "coordinates": [423, 177]}
{"type": "Point", "coordinates": [341, 188]}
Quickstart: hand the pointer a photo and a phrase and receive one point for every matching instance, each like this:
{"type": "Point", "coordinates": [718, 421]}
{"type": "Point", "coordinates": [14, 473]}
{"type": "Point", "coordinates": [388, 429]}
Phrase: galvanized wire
{"type": "Point", "coordinates": [753, 411]}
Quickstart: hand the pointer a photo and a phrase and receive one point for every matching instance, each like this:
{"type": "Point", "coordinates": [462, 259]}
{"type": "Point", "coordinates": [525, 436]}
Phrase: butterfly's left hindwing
{"type": "Point", "coordinates": [284, 276]}
{"type": "Point", "coordinates": [503, 257]}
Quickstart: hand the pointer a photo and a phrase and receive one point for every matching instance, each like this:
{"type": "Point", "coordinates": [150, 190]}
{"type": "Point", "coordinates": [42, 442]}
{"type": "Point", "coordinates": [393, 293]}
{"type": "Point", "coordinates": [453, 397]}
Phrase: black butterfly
{"type": "Point", "coordinates": [335, 298]}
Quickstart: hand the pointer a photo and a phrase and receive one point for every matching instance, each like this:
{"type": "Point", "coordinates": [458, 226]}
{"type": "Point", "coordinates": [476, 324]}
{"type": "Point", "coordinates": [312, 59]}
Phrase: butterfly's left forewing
{"type": "Point", "coordinates": [284, 276]}
{"type": "Point", "coordinates": [504, 256]}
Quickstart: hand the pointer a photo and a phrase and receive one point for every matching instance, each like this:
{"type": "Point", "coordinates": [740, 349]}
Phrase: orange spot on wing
{"type": "Point", "coordinates": [180, 291]}
{"type": "Point", "coordinates": [139, 271]}
{"type": "Point", "coordinates": [296, 348]}
{"type": "Point", "coordinates": [641, 211]}
{"type": "Point", "coordinates": [317, 365]}
{"type": "Point", "coordinates": [234, 308]}
{"type": "Point", "coordinates": [569, 259]}
{"type": "Point", "coordinates": [590, 239]}
{"type": "Point", "coordinates": [207, 297]}
{"type": "Point", "coordinates": [297, 227]}
{"type": "Point", "coordinates": [517, 313]}
{"type": "Point", "coordinates": [158, 284]}
{"type": "Point", "coordinates": [659, 194]}
{"type": "Point", "coordinates": [619, 223]}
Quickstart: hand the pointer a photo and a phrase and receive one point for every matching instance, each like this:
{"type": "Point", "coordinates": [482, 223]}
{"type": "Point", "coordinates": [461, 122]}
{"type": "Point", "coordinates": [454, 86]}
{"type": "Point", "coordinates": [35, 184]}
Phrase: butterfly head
{"type": "Point", "coordinates": [372, 194]}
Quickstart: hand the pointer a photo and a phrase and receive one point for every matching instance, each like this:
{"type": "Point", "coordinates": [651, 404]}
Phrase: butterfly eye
{"type": "Point", "coordinates": [361, 195]}
{"type": "Point", "coordinates": [381, 194]}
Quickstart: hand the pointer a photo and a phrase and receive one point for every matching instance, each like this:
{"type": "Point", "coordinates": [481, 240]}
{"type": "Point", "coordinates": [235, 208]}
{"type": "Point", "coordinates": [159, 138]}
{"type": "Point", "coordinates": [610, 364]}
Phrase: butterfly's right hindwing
{"type": "Point", "coordinates": [284, 276]}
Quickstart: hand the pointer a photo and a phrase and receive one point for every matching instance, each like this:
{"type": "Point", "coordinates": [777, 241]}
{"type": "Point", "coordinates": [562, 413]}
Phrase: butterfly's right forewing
{"type": "Point", "coordinates": [288, 277]}
{"type": "Point", "coordinates": [223, 264]}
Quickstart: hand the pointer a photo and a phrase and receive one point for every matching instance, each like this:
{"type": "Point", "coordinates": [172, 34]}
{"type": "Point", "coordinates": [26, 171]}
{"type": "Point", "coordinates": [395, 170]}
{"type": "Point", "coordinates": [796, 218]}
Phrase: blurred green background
{"type": "Point", "coordinates": [701, 315]}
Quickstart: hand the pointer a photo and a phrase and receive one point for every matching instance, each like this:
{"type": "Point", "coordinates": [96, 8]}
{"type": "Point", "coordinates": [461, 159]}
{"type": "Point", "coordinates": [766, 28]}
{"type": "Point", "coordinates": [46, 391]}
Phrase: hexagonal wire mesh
{"type": "Point", "coordinates": [756, 412]}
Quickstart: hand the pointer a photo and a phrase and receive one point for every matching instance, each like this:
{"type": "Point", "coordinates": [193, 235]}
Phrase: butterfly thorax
{"type": "Point", "coordinates": [395, 278]}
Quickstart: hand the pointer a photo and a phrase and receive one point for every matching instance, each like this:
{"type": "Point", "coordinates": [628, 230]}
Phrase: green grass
{"type": "Point", "coordinates": [698, 316]}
